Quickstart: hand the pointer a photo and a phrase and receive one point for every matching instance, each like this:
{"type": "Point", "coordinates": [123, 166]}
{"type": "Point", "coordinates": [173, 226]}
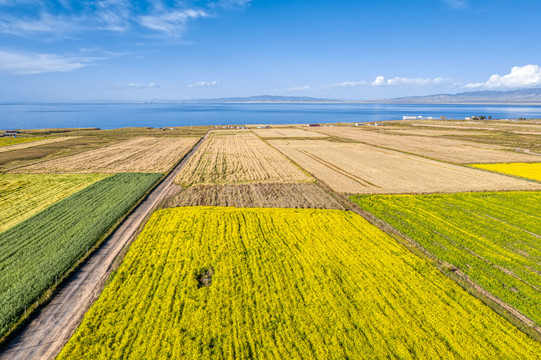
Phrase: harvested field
{"type": "Point", "coordinates": [233, 157]}
{"type": "Point", "coordinates": [256, 195]}
{"type": "Point", "coordinates": [449, 150]}
{"type": "Point", "coordinates": [360, 168]}
{"type": "Point", "coordinates": [287, 133]}
{"type": "Point", "coordinates": [30, 142]}
{"type": "Point", "coordinates": [227, 283]}
{"type": "Point", "coordinates": [23, 195]}
{"type": "Point", "coordinates": [146, 154]}
{"type": "Point", "coordinates": [525, 170]}
{"type": "Point", "coordinates": [50, 150]}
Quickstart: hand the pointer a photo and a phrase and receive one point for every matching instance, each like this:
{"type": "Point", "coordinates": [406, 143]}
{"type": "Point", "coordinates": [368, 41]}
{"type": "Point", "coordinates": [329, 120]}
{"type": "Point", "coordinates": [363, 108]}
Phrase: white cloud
{"type": "Point", "coordinates": [520, 76]}
{"type": "Point", "coordinates": [300, 88]}
{"type": "Point", "coordinates": [22, 64]}
{"type": "Point", "coordinates": [134, 86]}
{"type": "Point", "coordinates": [205, 84]}
{"type": "Point", "coordinates": [171, 23]}
{"type": "Point", "coordinates": [403, 81]}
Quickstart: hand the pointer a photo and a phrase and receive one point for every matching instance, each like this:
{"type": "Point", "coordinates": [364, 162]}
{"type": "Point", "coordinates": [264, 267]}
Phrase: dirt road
{"type": "Point", "coordinates": [46, 334]}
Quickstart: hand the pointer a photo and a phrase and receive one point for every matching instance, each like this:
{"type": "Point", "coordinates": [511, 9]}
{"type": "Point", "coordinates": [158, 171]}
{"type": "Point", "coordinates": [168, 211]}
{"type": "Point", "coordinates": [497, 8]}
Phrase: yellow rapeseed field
{"type": "Point", "coordinates": [22, 196]}
{"type": "Point", "coordinates": [233, 283]}
{"type": "Point", "coordinates": [525, 170]}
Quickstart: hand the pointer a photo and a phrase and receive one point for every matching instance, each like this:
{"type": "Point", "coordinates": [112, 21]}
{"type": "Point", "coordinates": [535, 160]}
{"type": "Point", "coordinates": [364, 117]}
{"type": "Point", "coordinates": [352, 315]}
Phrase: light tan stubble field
{"type": "Point", "coordinates": [286, 133]}
{"type": "Point", "coordinates": [145, 154]}
{"type": "Point", "coordinates": [360, 168]}
{"type": "Point", "coordinates": [449, 150]}
{"type": "Point", "coordinates": [34, 143]}
{"type": "Point", "coordinates": [238, 157]}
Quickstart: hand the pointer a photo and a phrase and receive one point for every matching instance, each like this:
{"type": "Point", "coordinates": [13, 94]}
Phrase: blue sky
{"type": "Point", "coordinates": [67, 50]}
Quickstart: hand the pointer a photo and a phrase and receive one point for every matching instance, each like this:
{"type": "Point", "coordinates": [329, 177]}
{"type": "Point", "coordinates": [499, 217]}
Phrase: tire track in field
{"type": "Point", "coordinates": [52, 326]}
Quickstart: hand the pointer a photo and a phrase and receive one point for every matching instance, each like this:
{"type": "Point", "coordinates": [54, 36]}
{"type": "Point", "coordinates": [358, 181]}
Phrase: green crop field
{"type": "Point", "coordinates": [36, 250]}
{"type": "Point", "coordinates": [494, 238]}
{"type": "Point", "coordinates": [22, 196]}
{"type": "Point", "coordinates": [12, 141]}
{"type": "Point", "coordinates": [232, 283]}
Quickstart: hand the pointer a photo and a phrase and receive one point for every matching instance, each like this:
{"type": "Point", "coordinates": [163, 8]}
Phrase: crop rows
{"type": "Point", "coordinates": [226, 283]}
{"type": "Point", "coordinates": [23, 195]}
{"type": "Point", "coordinates": [37, 250]}
{"type": "Point", "coordinates": [238, 157]}
{"type": "Point", "coordinates": [145, 154]}
{"type": "Point", "coordinates": [365, 169]}
{"type": "Point", "coordinates": [525, 170]}
{"type": "Point", "coordinates": [494, 238]}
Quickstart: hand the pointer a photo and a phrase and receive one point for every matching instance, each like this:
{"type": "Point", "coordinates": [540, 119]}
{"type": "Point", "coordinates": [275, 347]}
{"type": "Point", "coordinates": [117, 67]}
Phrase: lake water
{"type": "Point", "coordinates": [110, 116]}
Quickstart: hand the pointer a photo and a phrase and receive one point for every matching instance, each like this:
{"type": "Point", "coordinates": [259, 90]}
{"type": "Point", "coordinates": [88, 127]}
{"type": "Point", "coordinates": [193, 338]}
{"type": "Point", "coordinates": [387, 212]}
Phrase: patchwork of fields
{"type": "Point", "coordinates": [273, 283]}
{"type": "Point", "coordinates": [23, 195]}
{"type": "Point", "coordinates": [37, 250]}
{"type": "Point", "coordinates": [143, 154]}
{"type": "Point", "coordinates": [238, 157]}
{"type": "Point", "coordinates": [360, 168]}
{"type": "Point", "coordinates": [494, 238]}
{"type": "Point", "coordinates": [525, 170]}
{"type": "Point", "coordinates": [450, 150]}
{"type": "Point", "coordinates": [256, 195]}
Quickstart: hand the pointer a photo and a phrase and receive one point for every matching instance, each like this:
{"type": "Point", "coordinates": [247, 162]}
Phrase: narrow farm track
{"type": "Point", "coordinates": [45, 335]}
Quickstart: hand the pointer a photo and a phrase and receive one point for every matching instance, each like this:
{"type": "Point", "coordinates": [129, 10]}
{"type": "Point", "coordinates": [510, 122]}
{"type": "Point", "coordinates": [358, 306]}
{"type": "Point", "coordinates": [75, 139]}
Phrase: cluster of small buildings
{"type": "Point", "coordinates": [9, 133]}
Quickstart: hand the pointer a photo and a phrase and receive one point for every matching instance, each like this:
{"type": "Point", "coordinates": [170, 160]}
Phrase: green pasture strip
{"type": "Point", "coordinates": [494, 237]}
{"type": "Point", "coordinates": [12, 141]}
{"type": "Point", "coordinates": [37, 250]}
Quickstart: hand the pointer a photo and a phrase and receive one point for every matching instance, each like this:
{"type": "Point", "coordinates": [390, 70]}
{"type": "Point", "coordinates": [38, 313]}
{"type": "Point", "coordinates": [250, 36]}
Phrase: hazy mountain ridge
{"type": "Point", "coordinates": [521, 96]}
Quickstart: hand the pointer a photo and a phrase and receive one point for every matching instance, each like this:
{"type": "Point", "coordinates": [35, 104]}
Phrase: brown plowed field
{"type": "Point", "coordinates": [145, 154]}
{"type": "Point", "coordinates": [256, 195]}
{"type": "Point", "coordinates": [450, 150]}
{"type": "Point", "coordinates": [360, 168]}
{"type": "Point", "coordinates": [238, 157]}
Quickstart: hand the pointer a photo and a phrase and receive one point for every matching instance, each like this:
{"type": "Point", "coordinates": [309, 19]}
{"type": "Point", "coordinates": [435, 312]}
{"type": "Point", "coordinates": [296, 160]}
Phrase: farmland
{"type": "Point", "coordinates": [360, 168]}
{"type": "Point", "coordinates": [17, 141]}
{"type": "Point", "coordinates": [449, 150]}
{"type": "Point", "coordinates": [145, 154]}
{"type": "Point", "coordinates": [276, 283]}
{"type": "Point", "coordinates": [494, 238]}
{"type": "Point", "coordinates": [256, 195]}
{"type": "Point", "coordinates": [525, 170]}
{"type": "Point", "coordinates": [23, 195]}
{"type": "Point", "coordinates": [238, 157]}
{"type": "Point", "coordinates": [24, 154]}
{"type": "Point", "coordinates": [37, 250]}
{"type": "Point", "coordinates": [287, 133]}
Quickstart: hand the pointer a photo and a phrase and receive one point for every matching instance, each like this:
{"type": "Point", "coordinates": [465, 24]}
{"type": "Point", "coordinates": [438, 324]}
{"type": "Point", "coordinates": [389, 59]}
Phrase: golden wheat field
{"type": "Point", "coordinates": [360, 168]}
{"type": "Point", "coordinates": [227, 283]}
{"type": "Point", "coordinates": [449, 150]}
{"type": "Point", "coordinates": [238, 157]}
{"type": "Point", "coordinates": [286, 133]}
{"type": "Point", "coordinates": [256, 195]}
{"type": "Point", "coordinates": [144, 154]}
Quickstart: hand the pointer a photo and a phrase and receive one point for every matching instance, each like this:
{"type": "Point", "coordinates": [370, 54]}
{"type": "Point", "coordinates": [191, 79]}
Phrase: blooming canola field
{"type": "Point", "coordinates": [215, 283]}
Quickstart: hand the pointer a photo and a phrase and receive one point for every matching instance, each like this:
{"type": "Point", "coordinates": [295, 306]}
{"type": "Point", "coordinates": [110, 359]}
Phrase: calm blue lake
{"type": "Point", "coordinates": [109, 116]}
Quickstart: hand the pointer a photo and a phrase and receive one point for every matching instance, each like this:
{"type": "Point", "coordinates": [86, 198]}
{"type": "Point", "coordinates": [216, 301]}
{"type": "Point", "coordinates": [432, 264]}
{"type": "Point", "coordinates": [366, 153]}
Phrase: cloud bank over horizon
{"type": "Point", "coordinates": [519, 77]}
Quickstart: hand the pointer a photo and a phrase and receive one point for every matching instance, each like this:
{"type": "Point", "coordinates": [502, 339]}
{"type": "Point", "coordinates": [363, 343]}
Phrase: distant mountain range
{"type": "Point", "coordinates": [522, 96]}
